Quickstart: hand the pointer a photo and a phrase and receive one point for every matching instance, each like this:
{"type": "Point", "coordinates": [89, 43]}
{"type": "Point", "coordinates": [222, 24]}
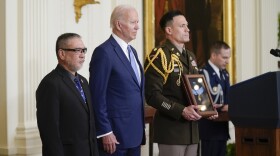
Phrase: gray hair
{"type": "Point", "coordinates": [118, 13]}
{"type": "Point", "coordinates": [63, 40]}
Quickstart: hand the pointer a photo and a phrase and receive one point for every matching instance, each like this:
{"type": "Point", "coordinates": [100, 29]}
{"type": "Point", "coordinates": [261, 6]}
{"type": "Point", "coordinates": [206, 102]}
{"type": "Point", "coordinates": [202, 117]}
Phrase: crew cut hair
{"type": "Point", "coordinates": [168, 18]}
{"type": "Point", "coordinates": [62, 40]}
{"type": "Point", "coordinates": [217, 46]}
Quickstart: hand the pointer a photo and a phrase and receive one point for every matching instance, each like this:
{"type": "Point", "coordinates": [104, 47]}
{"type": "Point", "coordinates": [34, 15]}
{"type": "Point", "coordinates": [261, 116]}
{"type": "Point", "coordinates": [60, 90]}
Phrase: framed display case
{"type": "Point", "coordinates": [198, 94]}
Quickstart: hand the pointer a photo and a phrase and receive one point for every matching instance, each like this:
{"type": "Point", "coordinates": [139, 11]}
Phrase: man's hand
{"type": "Point", "coordinates": [224, 107]}
{"type": "Point", "coordinates": [109, 143]}
{"type": "Point", "coordinates": [213, 117]}
{"type": "Point", "coordinates": [218, 105]}
{"type": "Point", "coordinates": [189, 113]}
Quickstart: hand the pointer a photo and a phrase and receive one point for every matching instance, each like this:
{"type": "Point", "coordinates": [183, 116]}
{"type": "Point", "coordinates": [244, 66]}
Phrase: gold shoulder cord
{"type": "Point", "coordinates": [167, 69]}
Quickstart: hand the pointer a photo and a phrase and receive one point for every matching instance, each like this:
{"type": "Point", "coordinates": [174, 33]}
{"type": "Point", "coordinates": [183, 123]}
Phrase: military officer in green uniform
{"type": "Point", "coordinates": [175, 121]}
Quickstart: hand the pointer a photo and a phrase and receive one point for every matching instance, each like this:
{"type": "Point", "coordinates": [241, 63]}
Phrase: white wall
{"type": "Point", "coordinates": [256, 34]}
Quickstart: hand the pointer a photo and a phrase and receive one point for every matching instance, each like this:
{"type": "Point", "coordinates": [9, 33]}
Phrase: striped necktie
{"type": "Point", "coordinates": [80, 89]}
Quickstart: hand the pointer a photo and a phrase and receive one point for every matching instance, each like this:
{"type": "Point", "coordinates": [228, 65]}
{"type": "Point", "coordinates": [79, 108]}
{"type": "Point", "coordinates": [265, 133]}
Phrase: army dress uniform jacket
{"type": "Point", "coordinates": [168, 97]}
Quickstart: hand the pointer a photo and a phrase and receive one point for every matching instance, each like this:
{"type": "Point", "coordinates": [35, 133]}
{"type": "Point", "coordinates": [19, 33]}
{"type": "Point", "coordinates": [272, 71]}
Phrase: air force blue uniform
{"type": "Point", "coordinates": [214, 134]}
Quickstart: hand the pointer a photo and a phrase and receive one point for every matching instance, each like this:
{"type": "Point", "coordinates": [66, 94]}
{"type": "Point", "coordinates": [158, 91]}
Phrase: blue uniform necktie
{"type": "Point", "coordinates": [80, 89]}
{"type": "Point", "coordinates": [222, 85]}
{"type": "Point", "coordinates": [133, 63]}
{"type": "Point", "coordinates": [221, 75]}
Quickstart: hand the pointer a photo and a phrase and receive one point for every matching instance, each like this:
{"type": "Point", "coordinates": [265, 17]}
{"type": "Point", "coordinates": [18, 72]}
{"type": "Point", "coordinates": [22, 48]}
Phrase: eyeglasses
{"type": "Point", "coordinates": [77, 50]}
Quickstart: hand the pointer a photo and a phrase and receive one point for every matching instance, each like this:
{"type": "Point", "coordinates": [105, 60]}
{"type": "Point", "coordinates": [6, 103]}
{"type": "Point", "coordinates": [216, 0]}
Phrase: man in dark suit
{"type": "Point", "coordinates": [64, 111]}
{"type": "Point", "coordinates": [117, 87]}
{"type": "Point", "coordinates": [214, 134]}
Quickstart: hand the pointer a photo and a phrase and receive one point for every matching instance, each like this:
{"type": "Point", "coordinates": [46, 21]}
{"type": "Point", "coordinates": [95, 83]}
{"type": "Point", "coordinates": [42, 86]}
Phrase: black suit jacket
{"type": "Point", "coordinates": [65, 122]}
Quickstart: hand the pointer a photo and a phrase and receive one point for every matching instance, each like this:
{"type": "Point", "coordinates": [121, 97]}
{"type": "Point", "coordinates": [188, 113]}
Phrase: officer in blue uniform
{"type": "Point", "coordinates": [214, 134]}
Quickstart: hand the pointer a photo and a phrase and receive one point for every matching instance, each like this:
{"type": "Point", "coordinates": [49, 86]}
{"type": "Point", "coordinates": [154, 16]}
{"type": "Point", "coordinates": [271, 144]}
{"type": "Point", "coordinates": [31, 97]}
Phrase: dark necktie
{"type": "Point", "coordinates": [184, 53]}
{"type": "Point", "coordinates": [80, 89]}
{"type": "Point", "coordinates": [221, 75]}
{"type": "Point", "coordinates": [133, 63]}
{"type": "Point", "coordinates": [222, 85]}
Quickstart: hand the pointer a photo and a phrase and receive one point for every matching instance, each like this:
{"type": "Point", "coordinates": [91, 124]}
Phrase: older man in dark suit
{"type": "Point", "coordinates": [64, 110]}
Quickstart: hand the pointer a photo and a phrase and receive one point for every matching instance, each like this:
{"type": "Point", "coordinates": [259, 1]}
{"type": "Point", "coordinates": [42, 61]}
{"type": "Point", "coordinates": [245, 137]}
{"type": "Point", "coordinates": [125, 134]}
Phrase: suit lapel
{"type": "Point", "coordinates": [185, 61]}
{"type": "Point", "coordinates": [118, 50]}
{"type": "Point", "coordinates": [71, 85]}
{"type": "Point", "coordinates": [214, 74]}
{"type": "Point", "coordinates": [175, 51]}
{"type": "Point", "coordinates": [73, 88]}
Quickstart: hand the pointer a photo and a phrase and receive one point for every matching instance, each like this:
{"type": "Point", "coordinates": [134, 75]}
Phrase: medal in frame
{"type": "Point", "coordinates": [198, 94]}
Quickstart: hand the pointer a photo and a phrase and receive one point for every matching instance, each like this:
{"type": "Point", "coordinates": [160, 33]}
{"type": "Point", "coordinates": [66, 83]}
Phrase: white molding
{"type": "Point", "coordinates": [7, 150]}
{"type": "Point", "coordinates": [28, 140]}
{"type": "Point", "coordinates": [10, 105]}
{"type": "Point", "coordinates": [245, 39]}
{"type": "Point", "coordinates": [32, 56]}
